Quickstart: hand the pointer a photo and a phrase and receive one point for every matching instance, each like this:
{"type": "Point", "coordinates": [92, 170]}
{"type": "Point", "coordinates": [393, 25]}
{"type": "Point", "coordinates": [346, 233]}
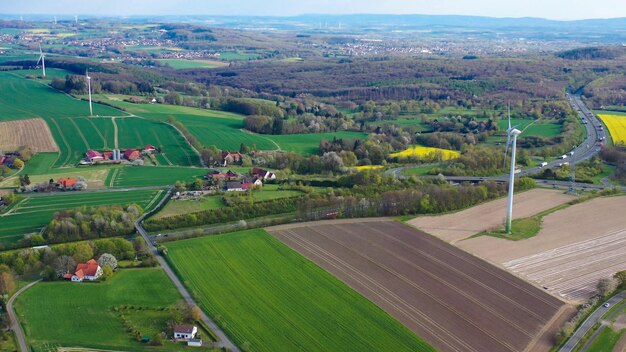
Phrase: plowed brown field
{"type": "Point", "coordinates": [33, 133]}
{"type": "Point", "coordinates": [463, 224]}
{"type": "Point", "coordinates": [455, 301]}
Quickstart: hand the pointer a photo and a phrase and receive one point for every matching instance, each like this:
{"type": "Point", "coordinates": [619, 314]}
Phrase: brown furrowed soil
{"type": "Point", "coordinates": [455, 301]}
{"type": "Point", "coordinates": [575, 247]}
{"type": "Point", "coordinates": [463, 224]}
{"type": "Point", "coordinates": [33, 133]}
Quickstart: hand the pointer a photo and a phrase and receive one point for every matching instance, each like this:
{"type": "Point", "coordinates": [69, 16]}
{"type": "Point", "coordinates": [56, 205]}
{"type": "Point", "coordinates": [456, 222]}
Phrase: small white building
{"type": "Point", "coordinates": [194, 343]}
{"type": "Point", "coordinates": [185, 332]}
{"type": "Point", "coordinates": [86, 271]}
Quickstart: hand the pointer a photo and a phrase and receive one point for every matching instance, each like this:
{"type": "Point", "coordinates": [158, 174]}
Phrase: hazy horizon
{"type": "Point", "coordinates": [547, 9]}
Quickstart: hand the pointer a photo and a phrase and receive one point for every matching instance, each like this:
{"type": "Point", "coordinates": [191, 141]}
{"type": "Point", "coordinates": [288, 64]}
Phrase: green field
{"type": "Point", "coordinates": [606, 340]}
{"type": "Point", "coordinates": [137, 176]}
{"type": "Point", "coordinates": [540, 128]}
{"type": "Point", "coordinates": [419, 171]}
{"type": "Point", "coordinates": [55, 314]}
{"type": "Point", "coordinates": [179, 64]}
{"type": "Point", "coordinates": [186, 206]}
{"type": "Point", "coordinates": [269, 298]}
{"type": "Point", "coordinates": [268, 192]}
{"type": "Point", "coordinates": [309, 143]}
{"type": "Point", "coordinates": [32, 213]}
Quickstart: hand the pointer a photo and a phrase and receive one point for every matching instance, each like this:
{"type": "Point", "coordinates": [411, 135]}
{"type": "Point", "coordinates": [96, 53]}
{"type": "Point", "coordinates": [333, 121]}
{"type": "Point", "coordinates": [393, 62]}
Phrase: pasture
{"type": "Point", "coordinates": [269, 298]}
{"type": "Point", "coordinates": [33, 133]}
{"type": "Point", "coordinates": [540, 128]}
{"type": "Point", "coordinates": [179, 64]}
{"type": "Point", "coordinates": [137, 176]}
{"type": "Point", "coordinates": [616, 124]}
{"type": "Point", "coordinates": [94, 176]}
{"type": "Point", "coordinates": [86, 311]}
{"type": "Point", "coordinates": [309, 143]}
{"type": "Point", "coordinates": [32, 213]}
{"type": "Point", "coordinates": [426, 153]}
{"type": "Point", "coordinates": [186, 206]}
{"type": "Point", "coordinates": [453, 300]}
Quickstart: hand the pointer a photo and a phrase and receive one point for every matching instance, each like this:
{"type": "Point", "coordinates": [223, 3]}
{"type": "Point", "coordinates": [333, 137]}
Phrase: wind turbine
{"type": "Point", "coordinates": [89, 88]}
{"type": "Point", "coordinates": [42, 58]}
{"type": "Point", "coordinates": [511, 134]}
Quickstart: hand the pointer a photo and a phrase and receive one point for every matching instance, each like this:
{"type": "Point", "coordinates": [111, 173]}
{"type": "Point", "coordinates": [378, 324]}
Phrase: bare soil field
{"type": "Point", "coordinates": [463, 224]}
{"type": "Point", "coordinates": [575, 247]}
{"type": "Point", "coordinates": [453, 300]}
{"type": "Point", "coordinates": [33, 133]}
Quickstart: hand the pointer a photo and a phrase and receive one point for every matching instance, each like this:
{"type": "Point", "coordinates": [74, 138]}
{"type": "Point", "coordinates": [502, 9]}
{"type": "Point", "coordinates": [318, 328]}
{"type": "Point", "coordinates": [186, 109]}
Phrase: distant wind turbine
{"type": "Point", "coordinates": [89, 88]}
{"type": "Point", "coordinates": [511, 134]}
{"type": "Point", "coordinates": [42, 58]}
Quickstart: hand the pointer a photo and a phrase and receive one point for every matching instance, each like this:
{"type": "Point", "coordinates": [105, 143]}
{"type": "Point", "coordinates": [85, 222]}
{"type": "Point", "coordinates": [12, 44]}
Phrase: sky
{"type": "Point", "coordinates": [551, 9]}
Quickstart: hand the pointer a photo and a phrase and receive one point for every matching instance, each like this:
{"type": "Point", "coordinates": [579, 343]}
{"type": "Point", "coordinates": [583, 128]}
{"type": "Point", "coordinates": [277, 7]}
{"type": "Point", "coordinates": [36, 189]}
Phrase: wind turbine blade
{"type": "Point", "coordinates": [38, 61]}
{"type": "Point", "coordinates": [508, 107]}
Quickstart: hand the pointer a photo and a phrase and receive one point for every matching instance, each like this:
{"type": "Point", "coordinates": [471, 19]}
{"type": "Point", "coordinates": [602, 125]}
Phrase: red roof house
{"type": "Point", "coordinates": [132, 154]}
{"type": "Point", "coordinates": [107, 155]}
{"type": "Point", "coordinates": [87, 271]}
{"type": "Point", "coordinates": [229, 158]}
{"type": "Point", "coordinates": [94, 155]}
{"type": "Point", "coordinates": [67, 182]}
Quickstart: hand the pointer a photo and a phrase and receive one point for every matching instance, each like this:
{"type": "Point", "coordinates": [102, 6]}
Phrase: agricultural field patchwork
{"type": "Point", "coordinates": [33, 133]}
{"type": "Point", "coordinates": [179, 64]}
{"type": "Point", "coordinates": [427, 153]}
{"type": "Point", "coordinates": [32, 213]}
{"type": "Point", "coordinates": [616, 125]}
{"type": "Point", "coordinates": [88, 311]}
{"type": "Point", "coordinates": [453, 300]}
{"type": "Point", "coordinates": [269, 298]}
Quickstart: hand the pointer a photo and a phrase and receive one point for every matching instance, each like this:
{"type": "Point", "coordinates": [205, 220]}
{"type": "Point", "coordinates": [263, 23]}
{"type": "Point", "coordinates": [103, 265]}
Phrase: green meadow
{"type": "Point", "coordinates": [269, 298]}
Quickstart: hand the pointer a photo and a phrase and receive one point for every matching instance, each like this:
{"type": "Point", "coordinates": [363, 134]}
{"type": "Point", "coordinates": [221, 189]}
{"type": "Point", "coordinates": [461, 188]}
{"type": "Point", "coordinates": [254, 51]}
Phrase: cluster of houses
{"type": "Point", "coordinates": [131, 154]}
{"type": "Point", "coordinates": [232, 182]}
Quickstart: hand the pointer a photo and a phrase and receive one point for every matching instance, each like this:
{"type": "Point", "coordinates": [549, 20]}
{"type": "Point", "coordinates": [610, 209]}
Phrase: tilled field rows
{"type": "Point", "coordinates": [33, 133]}
{"type": "Point", "coordinates": [572, 271]}
{"type": "Point", "coordinates": [453, 300]}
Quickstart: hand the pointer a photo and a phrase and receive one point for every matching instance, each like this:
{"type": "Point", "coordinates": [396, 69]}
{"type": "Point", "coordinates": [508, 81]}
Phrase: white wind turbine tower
{"type": "Point", "coordinates": [89, 88]}
{"type": "Point", "coordinates": [42, 58]}
{"type": "Point", "coordinates": [511, 138]}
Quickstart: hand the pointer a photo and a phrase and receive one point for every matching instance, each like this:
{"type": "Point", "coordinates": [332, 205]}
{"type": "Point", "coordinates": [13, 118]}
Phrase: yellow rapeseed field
{"type": "Point", "coordinates": [617, 127]}
{"type": "Point", "coordinates": [427, 153]}
{"type": "Point", "coordinates": [368, 167]}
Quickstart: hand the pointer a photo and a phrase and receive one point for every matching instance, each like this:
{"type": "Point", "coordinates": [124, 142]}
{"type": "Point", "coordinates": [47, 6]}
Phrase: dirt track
{"type": "Point", "coordinates": [453, 300]}
{"type": "Point", "coordinates": [457, 226]}
{"type": "Point", "coordinates": [33, 133]}
{"type": "Point", "coordinates": [575, 247]}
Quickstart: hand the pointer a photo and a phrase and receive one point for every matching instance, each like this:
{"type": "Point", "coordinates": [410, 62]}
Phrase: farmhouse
{"type": "Point", "coordinates": [263, 174]}
{"type": "Point", "coordinates": [132, 154]}
{"type": "Point", "coordinates": [230, 158]}
{"type": "Point", "coordinates": [185, 332]}
{"type": "Point", "coordinates": [67, 182]}
{"type": "Point", "coordinates": [94, 155]}
{"type": "Point", "coordinates": [85, 271]}
{"type": "Point", "coordinates": [219, 175]}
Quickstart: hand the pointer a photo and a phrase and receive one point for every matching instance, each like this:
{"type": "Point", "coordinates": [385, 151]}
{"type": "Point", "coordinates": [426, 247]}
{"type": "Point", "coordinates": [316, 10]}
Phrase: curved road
{"type": "Point", "coordinates": [593, 318]}
{"type": "Point", "coordinates": [15, 323]}
{"type": "Point", "coordinates": [223, 340]}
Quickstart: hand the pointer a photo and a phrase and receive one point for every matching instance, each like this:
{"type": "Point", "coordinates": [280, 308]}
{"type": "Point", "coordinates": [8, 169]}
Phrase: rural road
{"type": "Point", "coordinates": [224, 341]}
{"type": "Point", "coordinates": [593, 318]}
{"type": "Point", "coordinates": [15, 323]}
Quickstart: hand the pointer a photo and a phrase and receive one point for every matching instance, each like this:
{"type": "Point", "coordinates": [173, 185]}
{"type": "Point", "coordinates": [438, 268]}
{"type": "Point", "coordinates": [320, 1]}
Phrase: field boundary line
{"type": "Point", "coordinates": [156, 196]}
{"type": "Point", "coordinates": [263, 137]}
{"type": "Point", "coordinates": [417, 287]}
{"type": "Point", "coordinates": [393, 299]}
{"type": "Point", "coordinates": [67, 145]}
{"type": "Point", "coordinates": [104, 141]}
{"type": "Point", "coordinates": [115, 138]}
